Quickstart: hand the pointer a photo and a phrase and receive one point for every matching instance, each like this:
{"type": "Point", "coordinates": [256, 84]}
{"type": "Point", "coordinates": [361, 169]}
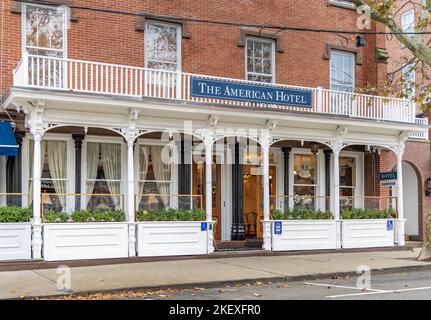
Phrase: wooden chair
{"type": "Point", "coordinates": [251, 224]}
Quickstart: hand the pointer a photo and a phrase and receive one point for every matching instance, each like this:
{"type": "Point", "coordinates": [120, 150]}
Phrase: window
{"type": "Point", "coordinates": [408, 22]}
{"type": "Point", "coordinates": [162, 46]}
{"type": "Point", "coordinates": [45, 30]}
{"type": "Point", "coordinates": [342, 71]}
{"type": "Point", "coordinates": [53, 174]}
{"type": "Point", "coordinates": [305, 180]}
{"type": "Point", "coordinates": [104, 179]}
{"type": "Point", "coordinates": [154, 179]}
{"type": "Point", "coordinates": [409, 78]}
{"type": "Point", "coordinates": [347, 182]}
{"type": "Point", "coordinates": [260, 60]}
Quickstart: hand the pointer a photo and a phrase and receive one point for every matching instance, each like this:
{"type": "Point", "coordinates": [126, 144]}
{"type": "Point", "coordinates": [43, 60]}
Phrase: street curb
{"type": "Point", "coordinates": [215, 284]}
{"type": "Point", "coordinates": [40, 264]}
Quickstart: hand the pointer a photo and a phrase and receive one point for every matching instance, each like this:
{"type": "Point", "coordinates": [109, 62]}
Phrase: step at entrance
{"type": "Point", "coordinates": [249, 244]}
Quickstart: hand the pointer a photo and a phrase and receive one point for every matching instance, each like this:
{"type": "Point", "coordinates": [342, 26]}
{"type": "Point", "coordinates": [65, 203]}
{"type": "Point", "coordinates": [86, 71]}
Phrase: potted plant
{"type": "Point", "coordinates": [15, 233]}
{"type": "Point", "coordinates": [172, 231]}
{"type": "Point", "coordinates": [102, 233]}
{"type": "Point", "coordinates": [302, 229]}
{"type": "Point", "coordinates": [364, 228]}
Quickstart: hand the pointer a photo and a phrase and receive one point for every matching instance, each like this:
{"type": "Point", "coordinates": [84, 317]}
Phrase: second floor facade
{"type": "Point", "coordinates": [156, 49]}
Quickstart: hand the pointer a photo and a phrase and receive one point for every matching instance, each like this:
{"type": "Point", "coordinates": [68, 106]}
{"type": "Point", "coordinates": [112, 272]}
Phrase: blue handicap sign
{"type": "Point", "coordinates": [278, 227]}
{"type": "Point", "coordinates": [390, 225]}
{"type": "Point", "coordinates": [204, 226]}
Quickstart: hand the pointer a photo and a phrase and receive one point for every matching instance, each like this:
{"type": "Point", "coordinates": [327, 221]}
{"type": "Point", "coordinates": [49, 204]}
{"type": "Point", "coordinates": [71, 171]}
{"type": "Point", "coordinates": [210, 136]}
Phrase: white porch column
{"type": "Point", "coordinates": [265, 144]}
{"type": "Point", "coordinates": [209, 141]}
{"type": "Point", "coordinates": [130, 195]}
{"type": "Point", "coordinates": [130, 198]}
{"type": "Point", "coordinates": [336, 148]}
{"type": "Point", "coordinates": [35, 121]}
{"type": "Point", "coordinates": [37, 221]}
{"type": "Point", "coordinates": [400, 223]}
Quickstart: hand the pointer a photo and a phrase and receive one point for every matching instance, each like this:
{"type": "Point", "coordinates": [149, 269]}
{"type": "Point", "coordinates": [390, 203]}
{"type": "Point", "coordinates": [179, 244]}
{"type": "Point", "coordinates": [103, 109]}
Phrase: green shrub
{"type": "Point", "coordinates": [98, 215]}
{"type": "Point", "coordinates": [15, 214]}
{"type": "Point", "coordinates": [301, 214]}
{"type": "Point", "coordinates": [170, 214]}
{"type": "Point", "coordinates": [366, 214]}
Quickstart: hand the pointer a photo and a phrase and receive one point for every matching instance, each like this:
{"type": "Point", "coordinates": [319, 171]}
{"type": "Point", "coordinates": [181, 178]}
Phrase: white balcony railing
{"type": "Point", "coordinates": [419, 134]}
{"type": "Point", "coordinates": [103, 78]}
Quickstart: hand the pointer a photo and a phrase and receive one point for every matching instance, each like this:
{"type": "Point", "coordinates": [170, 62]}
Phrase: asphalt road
{"type": "Point", "coordinates": [413, 285]}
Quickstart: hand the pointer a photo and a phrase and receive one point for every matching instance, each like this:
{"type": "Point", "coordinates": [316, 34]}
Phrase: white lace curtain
{"type": "Point", "coordinates": [144, 154]}
{"type": "Point", "coordinates": [111, 161]}
{"type": "Point", "coordinates": [57, 159]}
{"type": "Point", "coordinates": [162, 173]}
{"type": "Point", "coordinates": [93, 155]}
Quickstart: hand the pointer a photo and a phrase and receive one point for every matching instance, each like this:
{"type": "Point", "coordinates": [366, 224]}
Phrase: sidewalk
{"type": "Point", "coordinates": [41, 282]}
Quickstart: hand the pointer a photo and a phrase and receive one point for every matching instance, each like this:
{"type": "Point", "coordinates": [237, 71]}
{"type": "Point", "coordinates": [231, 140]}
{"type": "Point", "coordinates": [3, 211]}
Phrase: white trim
{"type": "Point", "coordinates": [359, 189]}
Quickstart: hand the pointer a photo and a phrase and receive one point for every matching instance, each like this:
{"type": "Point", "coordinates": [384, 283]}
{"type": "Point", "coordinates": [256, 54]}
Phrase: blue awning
{"type": "Point", "coordinates": [8, 146]}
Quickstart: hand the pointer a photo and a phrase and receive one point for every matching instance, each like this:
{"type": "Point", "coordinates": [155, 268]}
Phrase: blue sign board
{"type": "Point", "coordinates": [204, 226]}
{"type": "Point", "coordinates": [278, 227]}
{"type": "Point", "coordinates": [269, 94]}
{"type": "Point", "coordinates": [390, 225]}
{"type": "Point", "coordinates": [388, 175]}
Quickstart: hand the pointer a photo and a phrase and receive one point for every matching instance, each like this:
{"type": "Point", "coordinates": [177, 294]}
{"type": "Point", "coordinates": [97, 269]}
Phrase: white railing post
{"type": "Point", "coordinates": [319, 92]}
{"type": "Point", "coordinates": [178, 85]}
{"type": "Point", "coordinates": [21, 72]}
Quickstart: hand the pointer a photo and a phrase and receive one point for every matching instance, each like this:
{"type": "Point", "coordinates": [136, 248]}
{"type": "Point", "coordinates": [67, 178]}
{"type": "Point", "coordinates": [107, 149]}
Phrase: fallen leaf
{"type": "Point", "coordinates": [199, 289]}
{"type": "Point", "coordinates": [259, 283]}
{"type": "Point", "coordinates": [221, 291]}
{"type": "Point", "coordinates": [163, 296]}
{"type": "Point", "coordinates": [257, 294]}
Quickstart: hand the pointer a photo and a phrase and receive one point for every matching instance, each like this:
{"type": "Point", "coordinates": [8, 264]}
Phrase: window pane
{"type": "Point", "coordinates": [161, 46]}
{"type": "Point", "coordinates": [303, 197]}
{"type": "Point", "coordinates": [305, 169]}
{"type": "Point", "coordinates": [259, 61]}
{"type": "Point", "coordinates": [44, 27]}
{"type": "Point", "coordinates": [348, 171]}
{"type": "Point", "coordinates": [342, 71]}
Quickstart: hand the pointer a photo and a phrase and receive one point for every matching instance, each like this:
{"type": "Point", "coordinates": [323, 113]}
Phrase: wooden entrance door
{"type": "Point", "coordinates": [199, 188]}
{"type": "Point", "coordinates": [253, 199]}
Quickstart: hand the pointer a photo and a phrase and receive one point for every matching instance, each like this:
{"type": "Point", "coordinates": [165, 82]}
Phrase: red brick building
{"type": "Point", "coordinates": [100, 89]}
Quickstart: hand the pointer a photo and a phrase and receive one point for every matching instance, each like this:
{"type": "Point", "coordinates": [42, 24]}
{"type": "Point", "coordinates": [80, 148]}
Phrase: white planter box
{"type": "Point", "coordinates": [160, 238]}
{"type": "Point", "coordinates": [367, 233]}
{"type": "Point", "coordinates": [15, 241]}
{"type": "Point", "coordinates": [303, 235]}
{"type": "Point", "coordinates": [89, 240]}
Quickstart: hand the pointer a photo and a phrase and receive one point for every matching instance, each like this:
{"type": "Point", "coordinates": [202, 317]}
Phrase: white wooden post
{"type": "Point", "coordinates": [265, 144]}
{"type": "Point", "coordinates": [37, 221]}
{"type": "Point", "coordinates": [208, 141]}
{"type": "Point", "coordinates": [35, 121]}
{"type": "Point", "coordinates": [336, 191]}
{"type": "Point", "coordinates": [319, 99]}
{"type": "Point", "coordinates": [400, 223]}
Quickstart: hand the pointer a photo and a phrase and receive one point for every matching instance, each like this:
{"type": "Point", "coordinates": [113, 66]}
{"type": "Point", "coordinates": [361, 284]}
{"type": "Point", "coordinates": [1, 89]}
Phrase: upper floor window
{"type": "Point", "coordinates": [44, 30]}
{"type": "Point", "coordinates": [408, 22]}
{"type": "Point", "coordinates": [342, 71]}
{"type": "Point", "coordinates": [162, 46]}
{"type": "Point", "coordinates": [260, 60]}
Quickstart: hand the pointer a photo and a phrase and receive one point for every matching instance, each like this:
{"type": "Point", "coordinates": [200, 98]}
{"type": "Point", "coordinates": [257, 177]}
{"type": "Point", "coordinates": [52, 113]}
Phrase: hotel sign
{"type": "Point", "coordinates": [227, 90]}
{"type": "Point", "coordinates": [388, 179]}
